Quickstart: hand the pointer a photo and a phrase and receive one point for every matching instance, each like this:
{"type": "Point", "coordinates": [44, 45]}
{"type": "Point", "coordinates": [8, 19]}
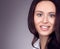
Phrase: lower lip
{"type": "Point", "coordinates": [44, 29]}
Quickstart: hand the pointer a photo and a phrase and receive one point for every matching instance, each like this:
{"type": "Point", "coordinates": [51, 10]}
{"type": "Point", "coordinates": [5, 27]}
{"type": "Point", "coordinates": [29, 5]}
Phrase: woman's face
{"type": "Point", "coordinates": [44, 17]}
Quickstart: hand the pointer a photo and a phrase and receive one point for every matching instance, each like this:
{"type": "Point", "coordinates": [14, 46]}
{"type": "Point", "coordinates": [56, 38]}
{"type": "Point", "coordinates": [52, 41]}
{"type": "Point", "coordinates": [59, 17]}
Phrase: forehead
{"type": "Point", "coordinates": [46, 5]}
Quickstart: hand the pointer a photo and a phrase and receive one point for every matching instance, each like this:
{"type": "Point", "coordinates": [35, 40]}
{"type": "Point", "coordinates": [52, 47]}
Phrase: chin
{"type": "Point", "coordinates": [44, 33]}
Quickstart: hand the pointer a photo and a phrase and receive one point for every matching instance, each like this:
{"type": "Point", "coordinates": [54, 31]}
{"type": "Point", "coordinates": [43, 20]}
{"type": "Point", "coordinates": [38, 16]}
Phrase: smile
{"type": "Point", "coordinates": [44, 28]}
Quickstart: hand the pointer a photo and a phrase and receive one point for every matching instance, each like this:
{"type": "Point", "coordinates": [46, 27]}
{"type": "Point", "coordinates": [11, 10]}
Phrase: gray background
{"type": "Point", "coordinates": [14, 33]}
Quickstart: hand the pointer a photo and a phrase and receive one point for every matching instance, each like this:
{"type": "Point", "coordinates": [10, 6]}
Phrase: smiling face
{"type": "Point", "coordinates": [44, 17]}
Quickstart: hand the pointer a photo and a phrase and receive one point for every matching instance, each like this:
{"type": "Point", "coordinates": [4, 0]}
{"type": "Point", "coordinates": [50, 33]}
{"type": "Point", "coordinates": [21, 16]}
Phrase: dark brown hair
{"type": "Point", "coordinates": [55, 41]}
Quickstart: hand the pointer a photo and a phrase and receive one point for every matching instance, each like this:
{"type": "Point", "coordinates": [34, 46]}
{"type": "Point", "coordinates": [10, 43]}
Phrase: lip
{"type": "Point", "coordinates": [44, 28]}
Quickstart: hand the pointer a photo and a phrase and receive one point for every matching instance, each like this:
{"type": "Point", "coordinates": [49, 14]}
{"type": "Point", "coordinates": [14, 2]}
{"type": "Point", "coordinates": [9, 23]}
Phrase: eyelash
{"type": "Point", "coordinates": [52, 15]}
{"type": "Point", "coordinates": [39, 14]}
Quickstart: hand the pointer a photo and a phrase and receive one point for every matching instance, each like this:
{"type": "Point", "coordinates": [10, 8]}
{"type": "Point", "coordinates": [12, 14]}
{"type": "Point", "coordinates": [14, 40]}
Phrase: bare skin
{"type": "Point", "coordinates": [44, 18]}
{"type": "Point", "coordinates": [43, 41]}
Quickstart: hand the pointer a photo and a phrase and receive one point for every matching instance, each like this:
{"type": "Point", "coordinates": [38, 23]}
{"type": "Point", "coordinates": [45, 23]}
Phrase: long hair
{"type": "Point", "coordinates": [55, 36]}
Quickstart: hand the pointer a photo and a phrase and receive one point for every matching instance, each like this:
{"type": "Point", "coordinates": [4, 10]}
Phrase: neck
{"type": "Point", "coordinates": [43, 41]}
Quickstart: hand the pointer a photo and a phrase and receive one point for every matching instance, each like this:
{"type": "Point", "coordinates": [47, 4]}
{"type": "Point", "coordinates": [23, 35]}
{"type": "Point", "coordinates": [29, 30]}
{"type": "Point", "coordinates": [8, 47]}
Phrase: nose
{"type": "Point", "coordinates": [45, 20]}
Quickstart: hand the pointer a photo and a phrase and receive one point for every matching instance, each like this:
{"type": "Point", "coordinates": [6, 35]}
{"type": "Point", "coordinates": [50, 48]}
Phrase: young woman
{"type": "Point", "coordinates": [43, 23]}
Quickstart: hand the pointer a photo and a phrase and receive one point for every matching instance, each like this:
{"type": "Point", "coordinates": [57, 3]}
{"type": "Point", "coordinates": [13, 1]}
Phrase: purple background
{"type": "Point", "coordinates": [14, 33]}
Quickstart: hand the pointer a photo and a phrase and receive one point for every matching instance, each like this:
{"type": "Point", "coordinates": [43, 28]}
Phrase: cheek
{"type": "Point", "coordinates": [52, 21]}
{"type": "Point", "coordinates": [37, 20]}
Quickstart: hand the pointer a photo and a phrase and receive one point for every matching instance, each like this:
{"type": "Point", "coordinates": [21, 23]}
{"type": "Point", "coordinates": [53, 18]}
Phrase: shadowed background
{"type": "Point", "coordinates": [14, 30]}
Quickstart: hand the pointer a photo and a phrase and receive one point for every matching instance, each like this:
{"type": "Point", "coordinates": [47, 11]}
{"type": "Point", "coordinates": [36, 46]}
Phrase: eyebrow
{"type": "Point", "coordinates": [42, 12]}
{"type": "Point", "coordinates": [39, 11]}
{"type": "Point", "coordinates": [51, 12]}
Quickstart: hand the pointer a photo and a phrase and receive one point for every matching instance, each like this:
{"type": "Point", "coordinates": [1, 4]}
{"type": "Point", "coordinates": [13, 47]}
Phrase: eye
{"type": "Point", "coordinates": [39, 14]}
{"type": "Point", "coordinates": [52, 15]}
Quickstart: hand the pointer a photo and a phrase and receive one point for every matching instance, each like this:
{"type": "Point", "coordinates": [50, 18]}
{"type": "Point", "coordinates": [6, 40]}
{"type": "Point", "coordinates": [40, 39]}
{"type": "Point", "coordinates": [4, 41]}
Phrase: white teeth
{"type": "Point", "coordinates": [44, 26]}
